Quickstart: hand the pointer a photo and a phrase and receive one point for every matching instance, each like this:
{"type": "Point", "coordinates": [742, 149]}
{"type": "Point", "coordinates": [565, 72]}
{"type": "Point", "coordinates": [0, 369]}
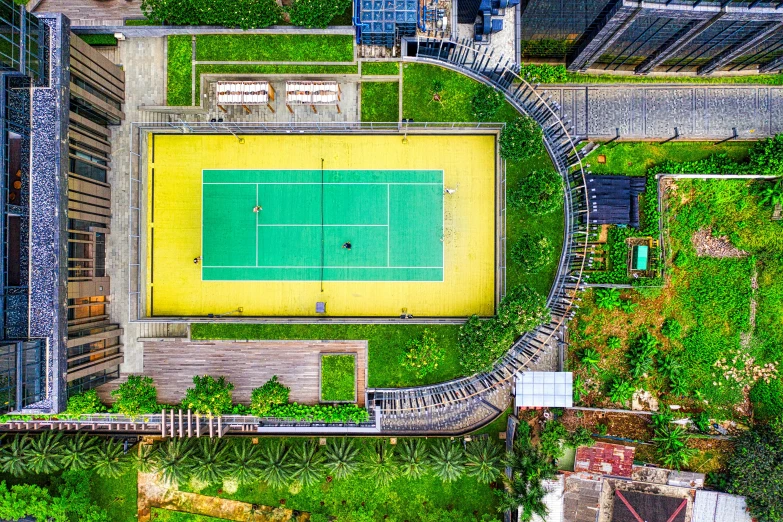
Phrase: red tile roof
{"type": "Point", "coordinates": [607, 459]}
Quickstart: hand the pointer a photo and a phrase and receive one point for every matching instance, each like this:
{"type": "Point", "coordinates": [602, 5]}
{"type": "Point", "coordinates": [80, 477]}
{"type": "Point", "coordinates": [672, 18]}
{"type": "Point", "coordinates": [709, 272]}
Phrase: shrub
{"type": "Point", "coordinates": [640, 356]}
{"type": "Point", "coordinates": [85, 403]}
{"type": "Point", "coordinates": [272, 393]}
{"type": "Point", "coordinates": [135, 396]}
{"type": "Point", "coordinates": [772, 193]}
{"type": "Point", "coordinates": [702, 422]}
{"type": "Point", "coordinates": [208, 396]}
{"type": "Point", "coordinates": [671, 328]}
{"type": "Point", "coordinates": [99, 39]}
{"type": "Point", "coordinates": [621, 391]}
{"type": "Point", "coordinates": [590, 358]}
{"type": "Point", "coordinates": [543, 73]}
{"type": "Point", "coordinates": [320, 413]}
{"type": "Point", "coordinates": [521, 139]}
{"type": "Point", "coordinates": [538, 192]}
{"type": "Point", "coordinates": [533, 252]}
{"type": "Point", "coordinates": [607, 298]}
{"type": "Point", "coordinates": [614, 343]}
{"type": "Point", "coordinates": [766, 156]}
{"type": "Point", "coordinates": [245, 14]}
{"type": "Point", "coordinates": [672, 446]}
{"type": "Point", "coordinates": [580, 437]}
{"type": "Point", "coordinates": [551, 440]}
{"type": "Point", "coordinates": [756, 470]}
{"type": "Point", "coordinates": [486, 103]}
{"type": "Point", "coordinates": [423, 355]}
{"type": "Point", "coordinates": [316, 13]}
{"type": "Point", "coordinates": [483, 342]}
{"type": "Point", "coordinates": [767, 400]}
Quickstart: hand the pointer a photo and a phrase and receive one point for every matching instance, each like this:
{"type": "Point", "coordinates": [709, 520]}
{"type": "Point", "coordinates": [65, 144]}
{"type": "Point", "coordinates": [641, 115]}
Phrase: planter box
{"type": "Point", "coordinates": [327, 363]}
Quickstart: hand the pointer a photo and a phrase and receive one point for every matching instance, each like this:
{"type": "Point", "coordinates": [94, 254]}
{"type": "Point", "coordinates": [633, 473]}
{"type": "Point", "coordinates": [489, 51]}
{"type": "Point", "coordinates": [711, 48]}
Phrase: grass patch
{"type": "Point", "coordinates": [270, 69]}
{"type": "Point", "coordinates": [386, 345]}
{"type": "Point", "coordinates": [756, 79]}
{"type": "Point", "coordinates": [116, 496]}
{"type": "Point", "coordinates": [338, 378]}
{"type": "Point", "coordinates": [139, 22]}
{"type": "Point", "coordinates": [167, 515]}
{"type": "Point", "coordinates": [178, 88]}
{"type": "Point", "coordinates": [99, 39]}
{"type": "Point", "coordinates": [277, 48]}
{"type": "Point", "coordinates": [380, 68]}
{"type": "Point", "coordinates": [635, 158]}
{"type": "Point", "coordinates": [380, 101]}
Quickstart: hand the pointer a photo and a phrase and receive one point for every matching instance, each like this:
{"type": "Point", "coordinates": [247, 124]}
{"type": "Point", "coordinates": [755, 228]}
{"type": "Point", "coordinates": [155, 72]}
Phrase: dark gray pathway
{"type": "Point", "coordinates": [653, 111]}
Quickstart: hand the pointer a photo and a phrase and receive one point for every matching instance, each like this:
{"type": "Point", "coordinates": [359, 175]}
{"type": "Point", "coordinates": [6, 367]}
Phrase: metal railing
{"type": "Point", "coordinates": [481, 65]}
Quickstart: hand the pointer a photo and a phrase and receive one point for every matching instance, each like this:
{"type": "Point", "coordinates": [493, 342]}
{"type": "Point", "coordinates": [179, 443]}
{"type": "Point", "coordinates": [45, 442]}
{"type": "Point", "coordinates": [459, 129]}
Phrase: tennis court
{"type": "Point", "coordinates": [330, 225]}
{"type": "Point", "coordinates": [420, 215]}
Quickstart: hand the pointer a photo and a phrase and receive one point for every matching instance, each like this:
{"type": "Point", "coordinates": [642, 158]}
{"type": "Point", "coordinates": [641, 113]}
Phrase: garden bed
{"type": "Point", "coordinates": [380, 101]}
{"type": "Point", "coordinates": [338, 378]}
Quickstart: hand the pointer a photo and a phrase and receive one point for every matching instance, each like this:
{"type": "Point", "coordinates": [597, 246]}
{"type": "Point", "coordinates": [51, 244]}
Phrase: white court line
{"type": "Point", "coordinates": [388, 228]}
{"type": "Point", "coordinates": [257, 218]}
{"type": "Point", "coordinates": [301, 225]}
{"type": "Point", "coordinates": [308, 183]}
{"type": "Point", "coordinates": [338, 267]}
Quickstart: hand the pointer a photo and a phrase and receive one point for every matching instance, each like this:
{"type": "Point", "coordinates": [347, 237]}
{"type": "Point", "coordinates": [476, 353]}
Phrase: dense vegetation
{"type": "Point", "coordinates": [694, 343]}
{"type": "Point", "coordinates": [179, 70]}
{"type": "Point", "coordinates": [338, 378]}
{"type": "Point", "coordinates": [380, 68]}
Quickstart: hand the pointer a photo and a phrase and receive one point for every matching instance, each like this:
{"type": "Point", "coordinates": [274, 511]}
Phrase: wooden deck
{"type": "Point", "coordinates": [248, 365]}
{"type": "Point", "coordinates": [92, 12]}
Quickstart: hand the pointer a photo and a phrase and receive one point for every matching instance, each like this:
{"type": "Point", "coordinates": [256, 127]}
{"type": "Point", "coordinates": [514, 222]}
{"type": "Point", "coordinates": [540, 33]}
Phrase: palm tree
{"type": "Point", "coordinates": [110, 460]}
{"type": "Point", "coordinates": [146, 459]}
{"type": "Point", "coordinates": [524, 496]}
{"type": "Point", "coordinates": [244, 463]}
{"type": "Point", "coordinates": [341, 457]}
{"type": "Point", "coordinates": [309, 463]}
{"type": "Point", "coordinates": [13, 455]}
{"type": "Point", "coordinates": [210, 456]}
{"type": "Point", "coordinates": [484, 460]}
{"type": "Point", "coordinates": [379, 464]}
{"type": "Point", "coordinates": [174, 461]}
{"type": "Point", "coordinates": [79, 452]}
{"type": "Point", "coordinates": [590, 358]}
{"type": "Point", "coordinates": [447, 460]}
{"type": "Point", "coordinates": [277, 469]}
{"type": "Point", "coordinates": [524, 489]}
{"type": "Point", "coordinates": [45, 452]}
{"type": "Point", "coordinates": [413, 458]}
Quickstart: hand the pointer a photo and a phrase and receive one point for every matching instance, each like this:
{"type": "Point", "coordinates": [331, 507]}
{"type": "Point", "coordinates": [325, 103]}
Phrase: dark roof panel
{"type": "Point", "coordinates": [614, 200]}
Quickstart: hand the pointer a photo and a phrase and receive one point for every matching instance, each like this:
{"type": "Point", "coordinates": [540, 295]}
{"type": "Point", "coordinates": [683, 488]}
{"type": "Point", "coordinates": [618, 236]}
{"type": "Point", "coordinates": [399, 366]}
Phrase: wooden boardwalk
{"type": "Point", "coordinates": [248, 365]}
{"type": "Point", "coordinates": [92, 12]}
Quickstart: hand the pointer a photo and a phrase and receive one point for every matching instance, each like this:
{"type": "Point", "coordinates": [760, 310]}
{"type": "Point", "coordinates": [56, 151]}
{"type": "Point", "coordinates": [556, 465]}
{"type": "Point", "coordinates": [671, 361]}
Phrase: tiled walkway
{"type": "Point", "coordinates": [248, 365]}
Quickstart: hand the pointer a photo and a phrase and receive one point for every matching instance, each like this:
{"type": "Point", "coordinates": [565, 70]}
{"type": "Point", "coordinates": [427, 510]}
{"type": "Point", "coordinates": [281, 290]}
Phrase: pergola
{"type": "Point", "coordinates": [312, 93]}
{"type": "Point", "coordinates": [244, 94]}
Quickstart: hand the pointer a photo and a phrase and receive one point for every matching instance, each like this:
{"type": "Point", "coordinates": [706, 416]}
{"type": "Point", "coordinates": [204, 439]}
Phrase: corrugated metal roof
{"type": "Point", "coordinates": [553, 500]}
{"type": "Point", "coordinates": [545, 390]}
{"type": "Point", "coordinates": [712, 506]}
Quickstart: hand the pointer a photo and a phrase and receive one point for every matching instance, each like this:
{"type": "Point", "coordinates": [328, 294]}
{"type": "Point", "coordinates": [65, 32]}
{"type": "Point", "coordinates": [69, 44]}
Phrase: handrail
{"type": "Point", "coordinates": [561, 162]}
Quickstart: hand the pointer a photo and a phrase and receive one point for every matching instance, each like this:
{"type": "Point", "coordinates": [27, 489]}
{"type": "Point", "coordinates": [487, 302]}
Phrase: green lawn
{"type": "Point", "coordinates": [179, 70]}
{"type": "Point", "coordinates": [338, 378]}
{"type": "Point", "coordinates": [116, 496]}
{"type": "Point", "coordinates": [386, 344]}
{"type": "Point", "coordinates": [380, 101]}
{"type": "Point", "coordinates": [99, 39]}
{"type": "Point", "coordinates": [166, 515]}
{"type": "Point", "coordinates": [274, 48]}
{"type": "Point", "coordinates": [380, 68]}
{"type": "Point", "coordinates": [634, 158]}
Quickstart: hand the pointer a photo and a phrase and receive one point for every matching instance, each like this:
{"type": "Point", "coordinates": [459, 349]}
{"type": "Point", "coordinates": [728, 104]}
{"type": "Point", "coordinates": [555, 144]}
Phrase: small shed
{"type": "Point", "coordinates": [614, 200]}
{"type": "Point", "coordinates": [605, 459]}
{"type": "Point", "coordinates": [632, 506]}
{"type": "Point", "coordinates": [544, 390]}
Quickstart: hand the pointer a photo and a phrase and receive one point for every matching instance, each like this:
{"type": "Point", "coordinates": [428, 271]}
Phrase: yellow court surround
{"type": "Point", "coordinates": [174, 285]}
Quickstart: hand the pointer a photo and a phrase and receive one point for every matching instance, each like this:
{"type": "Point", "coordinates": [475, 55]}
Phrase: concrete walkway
{"type": "Point", "coordinates": [652, 111]}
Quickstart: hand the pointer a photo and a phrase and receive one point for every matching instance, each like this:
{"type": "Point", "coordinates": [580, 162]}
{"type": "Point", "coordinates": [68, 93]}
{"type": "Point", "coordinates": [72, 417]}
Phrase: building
{"type": "Point", "coordinates": [58, 99]}
{"type": "Point", "coordinates": [696, 36]}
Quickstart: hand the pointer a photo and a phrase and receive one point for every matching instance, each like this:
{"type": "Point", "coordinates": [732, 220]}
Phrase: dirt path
{"type": "Point", "coordinates": [152, 493]}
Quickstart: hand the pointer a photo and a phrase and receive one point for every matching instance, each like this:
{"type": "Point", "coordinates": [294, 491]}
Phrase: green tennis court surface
{"type": "Point", "coordinates": [393, 220]}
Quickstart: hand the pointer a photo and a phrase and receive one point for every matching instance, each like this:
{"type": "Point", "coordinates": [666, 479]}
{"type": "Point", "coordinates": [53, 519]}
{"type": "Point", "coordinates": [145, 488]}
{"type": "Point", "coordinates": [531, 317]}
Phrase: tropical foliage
{"type": "Point", "coordinates": [316, 13]}
{"type": "Point", "coordinates": [533, 251]}
{"type": "Point", "coordinates": [538, 192]}
{"type": "Point", "coordinates": [486, 103]}
{"type": "Point", "coordinates": [85, 403]}
{"type": "Point", "coordinates": [245, 14]}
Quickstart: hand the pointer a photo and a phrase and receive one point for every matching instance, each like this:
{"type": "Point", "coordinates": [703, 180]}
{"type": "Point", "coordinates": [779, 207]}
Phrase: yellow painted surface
{"type": "Point", "coordinates": [175, 288]}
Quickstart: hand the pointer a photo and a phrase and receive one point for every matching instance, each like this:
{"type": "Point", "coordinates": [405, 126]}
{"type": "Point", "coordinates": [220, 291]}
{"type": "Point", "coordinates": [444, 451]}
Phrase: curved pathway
{"type": "Point", "coordinates": [468, 403]}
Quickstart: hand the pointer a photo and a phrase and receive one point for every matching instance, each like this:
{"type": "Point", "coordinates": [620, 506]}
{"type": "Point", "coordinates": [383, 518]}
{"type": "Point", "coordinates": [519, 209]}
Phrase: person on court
{"type": "Point", "coordinates": [257, 209]}
{"type": "Point", "coordinates": [196, 259]}
{"type": "Point", "coordinates": [347, 245]}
